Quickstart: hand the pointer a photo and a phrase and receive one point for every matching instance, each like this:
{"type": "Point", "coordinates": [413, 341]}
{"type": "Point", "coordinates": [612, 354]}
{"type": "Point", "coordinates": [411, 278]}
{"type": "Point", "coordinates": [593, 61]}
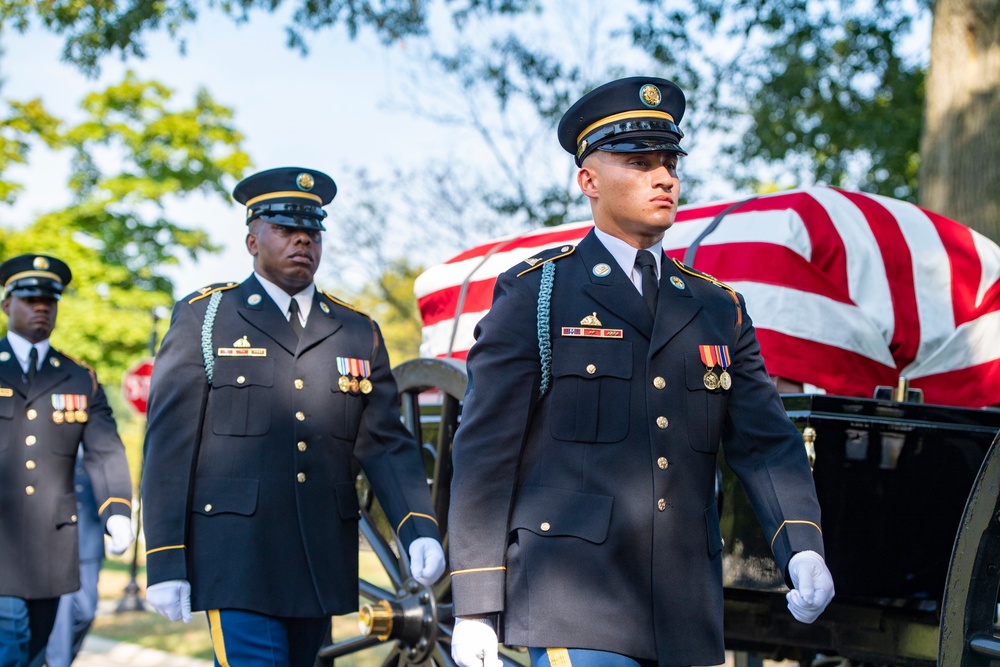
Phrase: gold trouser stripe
{"type": "Point", "coordinates": [173, 546]}
{"type": "Point", "coordinates": [559, 657]}
{"type": "Point", "coordinates": [107, 502]}
{"type": "Point", "coordinates": [218, 643]}
{"type": "Point", "coordinates": [784, 523]}
{"type": "Point", "coordinates": [415, 514]}
{"type": "Point", "coordinates": [478, 569]}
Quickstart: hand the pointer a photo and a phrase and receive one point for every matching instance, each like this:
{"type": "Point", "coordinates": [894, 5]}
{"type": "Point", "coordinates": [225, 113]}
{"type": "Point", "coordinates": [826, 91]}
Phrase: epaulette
{"type": "Point", "coordinates": [715, 281]}
{"type": "Point", "coordinates": [84, 364]}
{"type": "Point", "coordinates": [343, 303]}
{"type": "Point", "coordinates": [209, 290]}
{"type": "Point", "coordinates": [545, 256]}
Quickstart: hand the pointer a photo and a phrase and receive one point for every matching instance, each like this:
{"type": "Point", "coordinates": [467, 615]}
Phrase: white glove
{"type": "Point", "coordinates": [120, 530]}
{"type": "Point", "coordinates": [812, 586]}
{"type": "Point", "coordinates": [474, 644]}
{"type": "Point", "coordinates": [171, 599]}
{"type": "Point", "coordinates": [426, 560]}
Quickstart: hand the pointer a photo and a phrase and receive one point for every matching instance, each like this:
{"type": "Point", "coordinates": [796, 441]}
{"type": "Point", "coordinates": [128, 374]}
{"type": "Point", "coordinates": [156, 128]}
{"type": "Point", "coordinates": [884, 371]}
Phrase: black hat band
{"type": "Point", "coordinates": [269, 210]}
{"type": "Point", "coordinates": [605, 133]}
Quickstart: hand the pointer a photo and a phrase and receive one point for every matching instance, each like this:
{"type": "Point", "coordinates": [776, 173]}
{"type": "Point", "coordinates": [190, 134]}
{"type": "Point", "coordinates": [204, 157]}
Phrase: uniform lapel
{"type": "Point", "coordinates": [48, 377]}
{"type": "Point", "coordinates": [263, 315]}
{"type": "Point", "coordinates": [10, 369]}
{"type": "Point", "coordinates": [675, 307]}
{"type": "Point", "coordinates": [614, 290]}
{"type": "Point", "coordinates": [321, 324]}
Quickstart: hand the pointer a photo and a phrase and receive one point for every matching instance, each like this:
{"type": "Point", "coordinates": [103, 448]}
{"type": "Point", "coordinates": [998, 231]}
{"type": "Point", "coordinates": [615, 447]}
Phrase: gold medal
{"type": "Point", "coordinates": [366, 386]}
{"type": "Point", "coordinates": [711, 381]}
{"type": "Point", "coordinates": [344, 383]}
{"type": "Point", "coordinates": [725, 381]}
{"type": "Point", "coordinates": [355, 385]}
{"type": "Point", "coordinates": [70, 417]}
{"type": "Point", "coordinates": [81, 416]}
{"type": "Point", "coordinates": [57, 416]}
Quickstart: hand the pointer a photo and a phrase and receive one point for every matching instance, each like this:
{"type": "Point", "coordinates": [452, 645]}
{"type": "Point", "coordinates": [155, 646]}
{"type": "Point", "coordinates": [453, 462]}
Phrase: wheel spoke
{"type": "Point", "coordinates": [348, 646]}
{"type": "Point", "coordinates": [382, 550]}
{"type": "Point", "coordinates": [442, 655]}
{"type": "Point", "coordinates": [373, 593]}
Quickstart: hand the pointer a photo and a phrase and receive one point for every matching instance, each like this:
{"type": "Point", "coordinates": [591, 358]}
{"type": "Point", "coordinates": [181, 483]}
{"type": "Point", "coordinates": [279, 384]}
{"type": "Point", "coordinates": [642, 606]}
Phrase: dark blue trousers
{"type": "Point", "coordinates": [247, 639]}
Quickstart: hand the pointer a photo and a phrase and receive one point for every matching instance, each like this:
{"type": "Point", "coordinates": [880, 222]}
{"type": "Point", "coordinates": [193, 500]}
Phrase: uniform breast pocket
{"type": "Point", "coordinates": [239, 394]}
{"type": "Point", "coordinates": [706, 407]}
{"type": "Point", "coordinates": [590, 390]}
{"type": "Point", "coordinates": [345, 413]}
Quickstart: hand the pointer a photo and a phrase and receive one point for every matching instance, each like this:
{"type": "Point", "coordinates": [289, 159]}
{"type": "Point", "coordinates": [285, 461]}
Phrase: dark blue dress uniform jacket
{"type": "Point", "coordinates": [254, 501]}
{"type": "Point", "coordinates": [587, 516]}
{"type": "Point", "coordinates": [39, 543]}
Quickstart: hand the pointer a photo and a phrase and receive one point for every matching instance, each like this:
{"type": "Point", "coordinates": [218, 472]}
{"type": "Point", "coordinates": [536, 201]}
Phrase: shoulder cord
{"type": "Point", "coordinates": [206, 334]}
{"type": "Point", "coordinates": [544, 337]}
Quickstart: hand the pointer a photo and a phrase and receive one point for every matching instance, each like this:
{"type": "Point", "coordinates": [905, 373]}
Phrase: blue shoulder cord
{"type": "Point", "coordinates": [544, 334]}
{"type": "Point", "coordinates": [206, 334]}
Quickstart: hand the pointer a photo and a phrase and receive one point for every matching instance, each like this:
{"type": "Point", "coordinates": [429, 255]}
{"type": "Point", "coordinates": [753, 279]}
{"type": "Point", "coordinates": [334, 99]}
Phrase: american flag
{"type": "Point", "coordinates": [847, 290]}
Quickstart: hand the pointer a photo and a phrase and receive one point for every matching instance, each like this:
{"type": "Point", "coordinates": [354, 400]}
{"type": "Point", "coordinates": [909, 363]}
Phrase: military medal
{"type": "Point", "coordinates": [354, 374]}
{"type": "Point", "coordinates": [712, 356]}
{"type": "Point", "coordinates": [711, 380]}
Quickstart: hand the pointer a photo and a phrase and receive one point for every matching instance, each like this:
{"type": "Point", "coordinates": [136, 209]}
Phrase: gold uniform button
{"type": "Point", "coordinates": [29, 490]}
{"type": "Point", "coordinates": [208, 507]}
{"type": "Point", "coordinates": [659, 382]}
{"type": "Point", "coordinates": [30, 440]}
{"type": "Point", "coordinates": [301, 416]}
{"type": "Point", "coordinates": [662, 422]}
{"type": "Point", "coordinates": [591, 368]}
{"type": "Point", "coordinates": [29, 464]}
{"type": "Point", "coordinates": [240, 380]}
{"type": "Point", "coordinates": [32, 414]}
{"type": "Point", "coordinates": [662, 462]}
{"type": "Point", "coordinates": [299, 383]}
{"type": "Point", "coordinates": [301, 445]}
{"type": "Point", "coordinates": [301, 477]}
{"type": "Point", "coordinates": [661, 504]}
{"type": "Point", "coordinates": [545, 526]}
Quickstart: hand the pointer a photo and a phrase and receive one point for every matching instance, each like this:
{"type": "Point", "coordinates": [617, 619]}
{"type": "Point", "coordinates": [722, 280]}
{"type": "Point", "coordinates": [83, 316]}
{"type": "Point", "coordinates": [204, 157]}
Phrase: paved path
{"type": "Point", "coordinates": [101, 652]}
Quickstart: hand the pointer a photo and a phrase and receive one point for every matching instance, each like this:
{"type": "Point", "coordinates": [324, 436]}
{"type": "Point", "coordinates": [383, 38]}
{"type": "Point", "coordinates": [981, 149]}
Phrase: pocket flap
{"type": "Point", "coordinates": [240, 372]}
{"type": "Point", "coordinates": [548, 511]}
{"type": "Point", "coordinates": [592, 359]}
{"type": "Point", "coordinates": [66, 510]}
{"type": "Point", "coordinates": [347, 501]}
{"type": "Point", "coordinates": [226, 495]}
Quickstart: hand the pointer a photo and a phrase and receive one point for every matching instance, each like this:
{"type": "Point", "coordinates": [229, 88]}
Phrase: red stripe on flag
{"type": "Point", "coordinates": [966, 270]}
{"type": "Point", "coordinates": [954, 387]}
{"type": "Point", "coordinates": [440, 305]}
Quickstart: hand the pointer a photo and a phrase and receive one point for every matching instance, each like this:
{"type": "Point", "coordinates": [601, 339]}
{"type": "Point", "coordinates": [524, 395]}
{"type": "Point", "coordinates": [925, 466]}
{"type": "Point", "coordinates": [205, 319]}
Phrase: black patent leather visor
{"type": "Point", "coordinates": [290, 215]}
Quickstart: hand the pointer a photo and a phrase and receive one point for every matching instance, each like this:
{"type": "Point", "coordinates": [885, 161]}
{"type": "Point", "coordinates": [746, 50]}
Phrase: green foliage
{"type": "Point", "coordinates": [97, 28]}
{"type": "Point", "coordinates": [130, 154]}
{"type": "Point", "coordinates": [817, 88]}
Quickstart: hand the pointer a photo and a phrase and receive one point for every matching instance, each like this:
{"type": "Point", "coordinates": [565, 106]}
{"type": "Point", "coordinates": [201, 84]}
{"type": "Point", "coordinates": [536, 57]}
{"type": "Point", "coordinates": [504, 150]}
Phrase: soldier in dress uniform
{"type": "Point", "coordinates": [583, 522]}
{"type": "Point", "coordinates": [263, 395]}
{"type": "Point", "coordinates": [50, 404]}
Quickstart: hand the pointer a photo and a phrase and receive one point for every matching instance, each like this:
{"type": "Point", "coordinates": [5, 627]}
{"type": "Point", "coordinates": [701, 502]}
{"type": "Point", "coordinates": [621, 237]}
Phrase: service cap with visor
{"type": "Point", "coordinates": [287, 196]}
{"type": "Point", "coordinates": [33, 275]}
{"type": "Point", "coordinates": [639, 114]}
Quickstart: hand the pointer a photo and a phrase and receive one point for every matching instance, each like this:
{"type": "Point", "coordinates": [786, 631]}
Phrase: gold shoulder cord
{"type": "Point", "coordinates": [719, 283]}
{"type": "Point", "coordinates": [343, 303]}
{"type": "Point", "coordinates": [537, 262]}
{"type": "Point", "coordinates": [209, 291]}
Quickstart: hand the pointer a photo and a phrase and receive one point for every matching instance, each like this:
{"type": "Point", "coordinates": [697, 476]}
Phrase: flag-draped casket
{"type": "Point", "coordinates": [847, 290]}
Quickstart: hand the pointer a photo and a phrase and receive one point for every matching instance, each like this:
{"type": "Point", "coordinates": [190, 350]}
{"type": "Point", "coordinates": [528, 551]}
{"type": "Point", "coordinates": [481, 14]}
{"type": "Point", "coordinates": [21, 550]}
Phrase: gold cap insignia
{"type": "Point", "coordinates": [40, 263]}
{"type": "Point", "coordinates": [590, 321]}
{"type": "Point", "coordinates": [305, 181]}
{"type": "Point", "coordinates": [242, 342]}
{"type": "Point", "coordinates": [650, 95]}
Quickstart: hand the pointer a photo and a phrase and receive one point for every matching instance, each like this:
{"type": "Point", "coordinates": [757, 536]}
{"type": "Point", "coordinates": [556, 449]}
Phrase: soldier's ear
{"type": "Point", "coordinates": [587, 179]}
{"type": "Point", "coordinates": [5, 304]}
{"type": "Point", "coordinates": [251, 242]}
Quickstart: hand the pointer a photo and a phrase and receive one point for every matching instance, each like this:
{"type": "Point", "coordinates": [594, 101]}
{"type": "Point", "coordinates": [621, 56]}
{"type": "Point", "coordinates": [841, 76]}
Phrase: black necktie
{"type": "Point", "coordinates": [645, 262]}
{"type": "Point", "coordinates": [293, 318]}
{"type": "Point", "coordinates": [32, 363]}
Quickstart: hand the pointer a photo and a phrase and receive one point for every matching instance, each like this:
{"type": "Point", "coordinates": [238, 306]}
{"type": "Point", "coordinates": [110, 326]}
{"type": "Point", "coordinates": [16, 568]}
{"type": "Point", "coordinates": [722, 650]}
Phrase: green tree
{"type": "Point", "coordinates": [115, 233]}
